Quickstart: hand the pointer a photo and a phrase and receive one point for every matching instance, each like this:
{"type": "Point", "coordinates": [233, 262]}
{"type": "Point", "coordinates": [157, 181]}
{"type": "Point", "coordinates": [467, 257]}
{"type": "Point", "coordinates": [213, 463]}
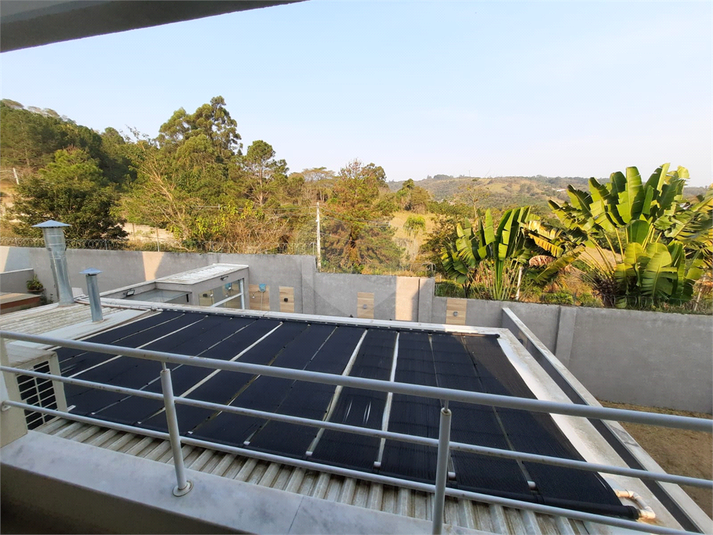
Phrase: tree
{"type": "Point", "coordinates": [71, 189]}
{"type": "Point", "coordinates": [211, 121]}
{"type": "Point", "coordinates": [262, 171]}
{"type": "Point", "coordinates": [358, 235]}
{"type": "Point", "coordinates": [495, 255]}
{"type": "Point", "coordinates": [415, 224]}
{"type": "Point", "coordinates": [115, 158]}
{"type": "Point", "coordinates": [641, 243]}
{"type": "Point", "coordinates": [28, 140]}
{"type": "Point", "coordinates": [473, 194]}
{"type": "Point", "coordinates": [413, 198]}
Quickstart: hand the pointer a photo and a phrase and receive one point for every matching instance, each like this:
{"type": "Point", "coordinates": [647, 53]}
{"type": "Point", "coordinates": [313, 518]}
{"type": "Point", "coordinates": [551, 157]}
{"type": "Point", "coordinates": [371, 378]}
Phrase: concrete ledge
{"type": "Point", "coordinates": [87, 489]}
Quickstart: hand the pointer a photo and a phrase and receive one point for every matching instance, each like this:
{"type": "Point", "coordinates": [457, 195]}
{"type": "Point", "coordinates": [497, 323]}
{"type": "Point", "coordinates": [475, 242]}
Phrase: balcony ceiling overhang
{"type": "Point", "coordinates": [29, 23]}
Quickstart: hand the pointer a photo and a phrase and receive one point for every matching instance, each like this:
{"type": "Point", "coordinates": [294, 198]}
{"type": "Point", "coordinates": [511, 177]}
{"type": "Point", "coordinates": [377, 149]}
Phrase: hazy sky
{"type": "Point", "coordinates": [420, 88]}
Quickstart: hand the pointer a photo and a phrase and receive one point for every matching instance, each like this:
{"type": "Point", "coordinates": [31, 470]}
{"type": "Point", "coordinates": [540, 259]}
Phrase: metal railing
{"type": "Point", "coordinates": [443, 444]}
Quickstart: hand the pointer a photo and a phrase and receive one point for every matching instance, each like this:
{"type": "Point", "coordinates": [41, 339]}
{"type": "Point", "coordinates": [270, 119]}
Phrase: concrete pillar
{"type": "Point", "coordinates": [426, 290]}
{"type": "Point", "coordinates": [565, 334]}
{"type": "Point", "coordinates": [308, 270]}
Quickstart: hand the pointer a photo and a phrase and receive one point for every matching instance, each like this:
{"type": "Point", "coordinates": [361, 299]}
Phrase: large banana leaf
{"type": "Point", "coordinates": [658, 276]}
{"type": "Point", "coordinates": [600, 206]}
{"type": "Point", "coordinates": [638, 231]}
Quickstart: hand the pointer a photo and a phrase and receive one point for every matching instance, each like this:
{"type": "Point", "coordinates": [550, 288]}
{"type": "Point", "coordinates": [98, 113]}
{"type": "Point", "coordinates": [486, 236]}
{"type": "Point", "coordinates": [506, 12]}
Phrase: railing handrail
{"type": "Point", "coordinates": [389, 435]}
{"type": "Point", "coordinates": [478, 398]}
{"type": "Point", "coordinates": [443, 443]}
{"type": "Point", "coordinates": [378, 478]}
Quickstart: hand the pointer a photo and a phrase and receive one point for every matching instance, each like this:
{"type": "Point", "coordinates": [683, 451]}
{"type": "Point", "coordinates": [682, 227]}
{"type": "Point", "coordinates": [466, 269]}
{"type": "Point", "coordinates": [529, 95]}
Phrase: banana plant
{"type": "Point", "coordinates": [482, 246]}
{"type": "Point", "coordinates": [626, 223]}
{"type": "Point", "coordinates": [654, 272]}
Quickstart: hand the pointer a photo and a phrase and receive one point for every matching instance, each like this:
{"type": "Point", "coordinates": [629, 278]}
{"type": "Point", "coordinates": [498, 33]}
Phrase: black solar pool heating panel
{"type": "Point", "coordinates": [465, 362]}
{"type": "Point", "coordinates": [265, 393]}
{"type": "Point", "coordinates": [225, 385]}
{"type": "Point", "coordinates": [362, 408]}
{"type": "Point", "coordinates": [65, 354]}
{"type": "Point", "coordinates": [413, 415]}
{"type": "Point", "coordinates": [82, 362]}
{"type": "Point", "coordinates": [210, 332]}
{"type": "Point", "coordinates": [474, 424]}
{"type": "Point", "coordinates": [308, 400]}
{"type": "Point", "coordinates": [110, 369]}
{"type": "Point", "coordinates": [537, 433]}
{"type": "Point", "coordinates": [136, 373]}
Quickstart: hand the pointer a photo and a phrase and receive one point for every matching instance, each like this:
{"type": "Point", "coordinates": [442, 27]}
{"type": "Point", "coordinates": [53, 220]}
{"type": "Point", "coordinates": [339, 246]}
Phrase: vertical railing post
{"type": "Point", "coordinates": [183, 486]}
{"type": "Point", "coordinates": [439, 499]}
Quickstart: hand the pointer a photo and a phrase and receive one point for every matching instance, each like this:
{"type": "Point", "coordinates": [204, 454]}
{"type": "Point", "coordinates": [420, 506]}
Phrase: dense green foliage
{"type": "Point", "coordinates": [660, 244]}
{"type": "Point", "coordinates": [630, 243]}
{"type": "Point", "coordinates": [358, 236]}
{"type": "Point", "coordinates": [489, 255]}
{"type": "Point", "coordinates": [71, 189]}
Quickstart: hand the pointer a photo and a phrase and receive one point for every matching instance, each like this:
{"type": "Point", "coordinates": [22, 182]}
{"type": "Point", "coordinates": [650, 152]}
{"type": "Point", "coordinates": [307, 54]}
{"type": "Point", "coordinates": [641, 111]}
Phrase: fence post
{"type": "Point", "coordinates": [444, 437]}
{"type": "Point", "coordinates": [183, 486]}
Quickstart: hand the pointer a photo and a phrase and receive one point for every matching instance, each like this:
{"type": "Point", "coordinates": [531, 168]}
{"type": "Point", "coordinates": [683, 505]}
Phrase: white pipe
{"type": "Point", "coordinates": [389, 401]}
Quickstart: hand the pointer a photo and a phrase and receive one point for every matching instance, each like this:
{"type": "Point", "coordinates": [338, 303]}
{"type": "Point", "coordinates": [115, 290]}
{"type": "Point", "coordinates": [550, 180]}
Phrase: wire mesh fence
{"type": "Point", "coordinates": [170, 245]}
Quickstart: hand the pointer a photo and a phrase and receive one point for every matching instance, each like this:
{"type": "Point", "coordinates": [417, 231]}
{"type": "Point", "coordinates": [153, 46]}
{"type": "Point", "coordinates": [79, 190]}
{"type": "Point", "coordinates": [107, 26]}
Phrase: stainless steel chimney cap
{"type": "Point", "coordinates": [90, 271]}
{"type": "Point", "coordinates": [51, 223]}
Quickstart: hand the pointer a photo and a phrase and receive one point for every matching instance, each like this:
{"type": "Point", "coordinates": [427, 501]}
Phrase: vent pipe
{"type": "Point", "coordinates": [53, 233]}
{"type": "Point", "coordinates": [93, 290]}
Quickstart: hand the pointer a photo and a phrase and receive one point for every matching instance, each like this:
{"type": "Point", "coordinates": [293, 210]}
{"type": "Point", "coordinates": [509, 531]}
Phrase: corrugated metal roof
{"type": "Point", "coordinates": [359, 493]}
{"type": "Point", "coordinates": [53, 317]}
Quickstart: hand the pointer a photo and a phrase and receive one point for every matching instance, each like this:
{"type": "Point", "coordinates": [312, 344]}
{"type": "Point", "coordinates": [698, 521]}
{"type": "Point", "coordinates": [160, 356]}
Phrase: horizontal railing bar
{"type": "Point", "coordinates": [89, 420]}
{"type": "Point", "coordinates": [481, 450]}
{"type": "Point", "coordinates": [88, 384]}
{"type": "Point", "coordinates": [534, 405]}
{"type": "Point", "coordinates": [345, 472]}
{"type": "Point", "coordinates": [390, 435]}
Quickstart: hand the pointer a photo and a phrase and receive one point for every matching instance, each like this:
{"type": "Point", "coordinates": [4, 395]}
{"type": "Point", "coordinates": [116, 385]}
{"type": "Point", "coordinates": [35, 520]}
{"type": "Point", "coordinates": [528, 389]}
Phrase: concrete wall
{"type": "Point", "coordinates": [628, 356]}
{"type": "Point", "coordinates": [541, 319]}
{"type": "Point", "coordinates": [16, 281]}
{"type": "Point", "coordinates": [648, 358]}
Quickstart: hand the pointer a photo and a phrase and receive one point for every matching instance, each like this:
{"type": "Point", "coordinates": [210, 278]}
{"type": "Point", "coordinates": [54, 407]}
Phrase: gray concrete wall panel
{"type": "Point", "coordinates": [647, 358]}
{"type": "Point", "coordinates": [336, 294]}
{"type": "Point", "coordinates": [16, 281]}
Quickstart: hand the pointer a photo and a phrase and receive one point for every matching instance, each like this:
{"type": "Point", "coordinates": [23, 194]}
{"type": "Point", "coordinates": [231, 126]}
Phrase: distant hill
{"type": "Point", "coordinates": [507, 192]}
{"type": "Point", "coordinates": [498, 192]}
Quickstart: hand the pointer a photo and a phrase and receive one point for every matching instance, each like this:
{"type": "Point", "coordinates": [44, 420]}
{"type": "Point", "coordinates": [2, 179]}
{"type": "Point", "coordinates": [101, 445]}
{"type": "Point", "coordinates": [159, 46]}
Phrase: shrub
{"type": "Point", "coordinates": [34, 285]}
{"type": "Point", "coordinates": [557, 298]}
